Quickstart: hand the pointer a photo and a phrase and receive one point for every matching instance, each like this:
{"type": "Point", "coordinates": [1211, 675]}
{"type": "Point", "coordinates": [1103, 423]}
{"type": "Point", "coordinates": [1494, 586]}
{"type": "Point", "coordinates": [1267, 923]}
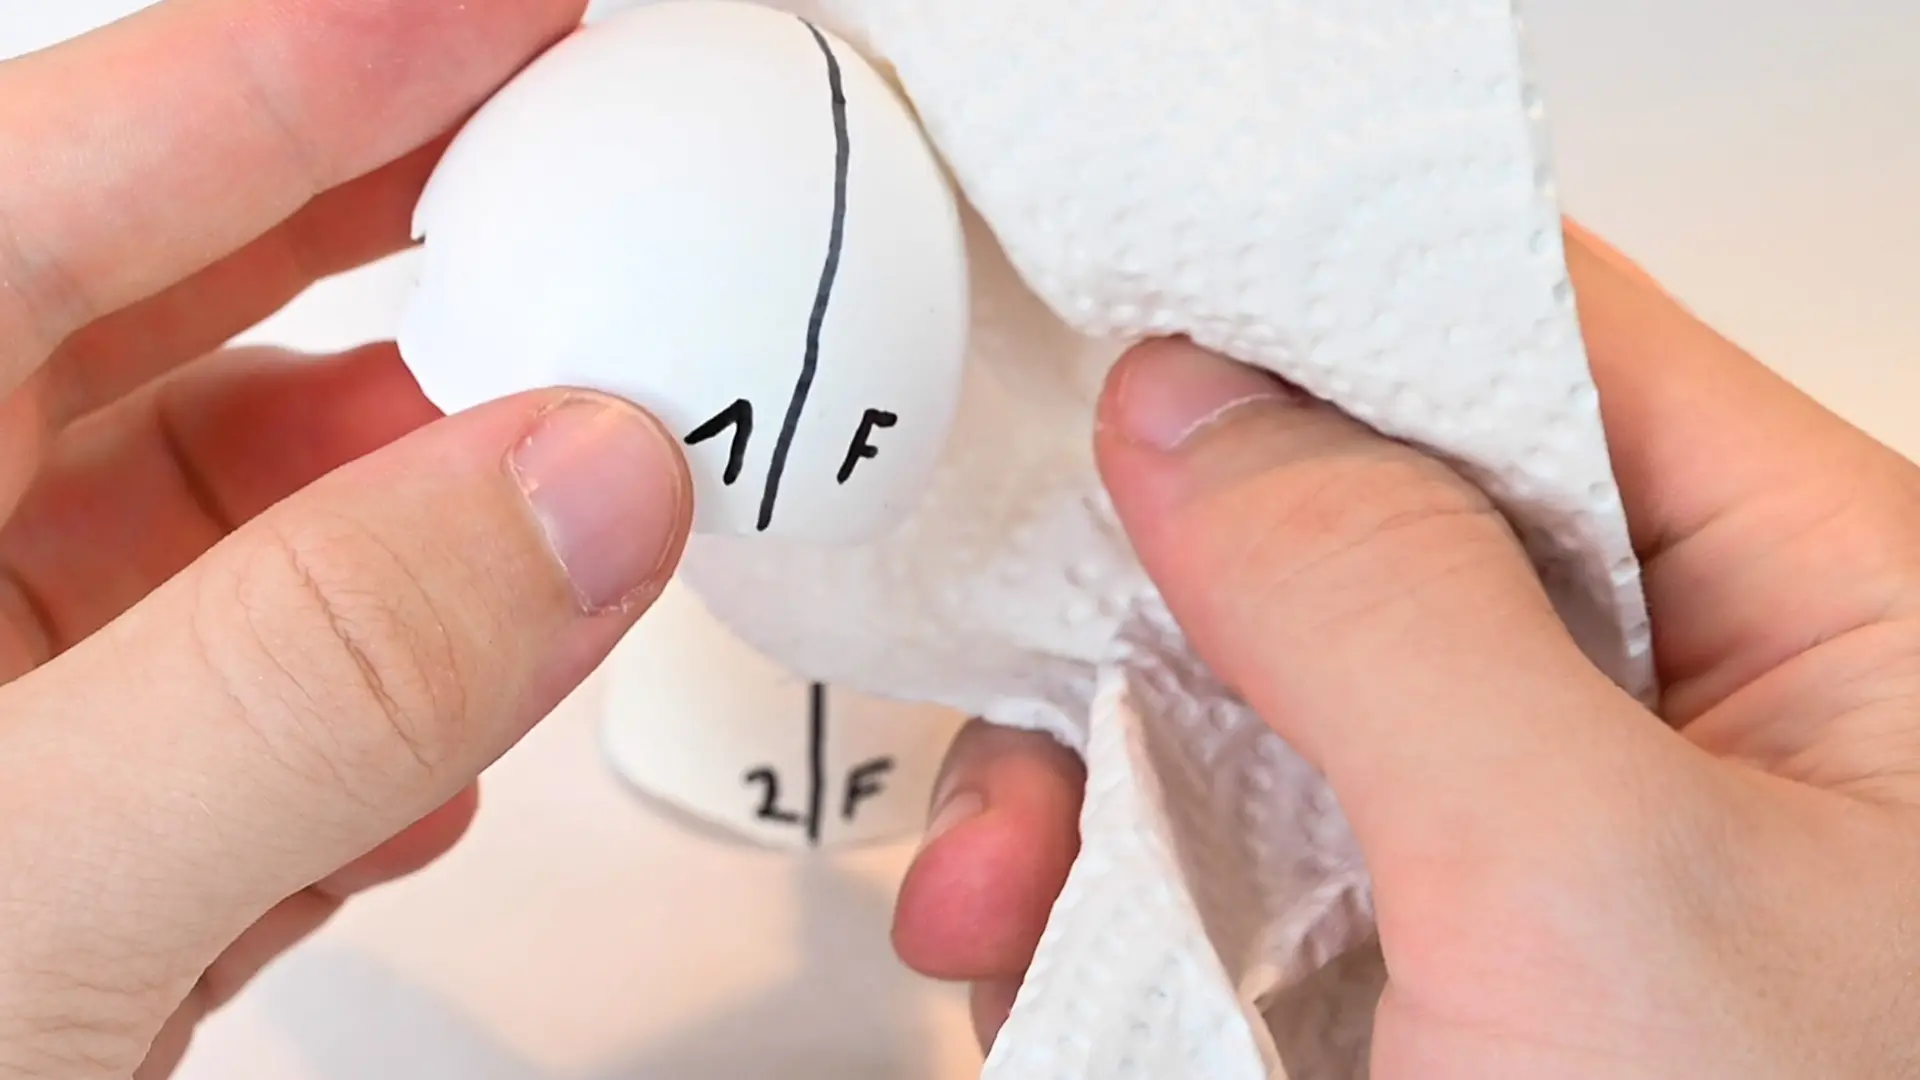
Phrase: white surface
{"type": "Point", "coordinates": [1756, 155]}
{"type": "Point", "coordinates": [653, 208]}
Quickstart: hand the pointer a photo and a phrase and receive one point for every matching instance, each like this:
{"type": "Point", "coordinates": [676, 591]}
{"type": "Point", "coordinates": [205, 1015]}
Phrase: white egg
{"type": "Point", "coordinates": [726, 215]}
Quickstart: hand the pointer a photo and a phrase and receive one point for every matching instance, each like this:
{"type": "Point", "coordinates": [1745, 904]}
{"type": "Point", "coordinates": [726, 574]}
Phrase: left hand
{"type": "Point", "coordinates": [263, 619]}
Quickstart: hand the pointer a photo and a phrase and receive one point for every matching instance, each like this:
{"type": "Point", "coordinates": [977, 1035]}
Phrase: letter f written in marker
{"type": "Point", "coordinates": [861, 449]}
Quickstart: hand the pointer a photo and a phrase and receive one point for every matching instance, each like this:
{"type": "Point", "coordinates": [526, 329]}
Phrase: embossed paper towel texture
{"type": "Point", "coordinates": [1352, 193]}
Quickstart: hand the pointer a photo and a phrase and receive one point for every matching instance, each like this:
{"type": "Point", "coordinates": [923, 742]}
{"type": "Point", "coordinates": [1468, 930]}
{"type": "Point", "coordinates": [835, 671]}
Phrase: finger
{"type": "Point", "coordinates": [24, 420]}
{"type": "Point", "coordinates": [292, 921]}
{"type": "Point", "coordinates": [336, 232]}
{"type": "Point", "coordinates": [341, 230]}
{"type": "Point", "coordinates": [345, 662]}
{"type": "Point", "coordinates": [1740, 491]}
{"type": "Point", "coordinates": [990, 1003]}
{"type": "Point", "coordinates": [21, 422]}
{"type": "Point", "coordinates": [1586, 242]}
{"type": "Point", "coordinates": [1004, 833]}
{"type": "Point", "coordinates": [137, 492]}
{"type": "Point", "coordinates": [297, 918]}
{"type": "Point", "coordinates": [417, 847]}
{"type": "Point", "coordinates": [193, 127]}
{"type": "Point", "coordinates": [1370, 604]}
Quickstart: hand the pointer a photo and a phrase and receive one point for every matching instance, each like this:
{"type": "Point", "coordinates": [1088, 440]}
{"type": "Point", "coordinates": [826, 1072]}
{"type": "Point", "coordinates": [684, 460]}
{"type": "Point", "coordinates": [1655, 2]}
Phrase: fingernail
{"type": "Point", "coordinates": [1171, 391]}
{"type": "Point", "coordinates": [952, 810]}
{"type": "Point", "coordinates": [603, 481]}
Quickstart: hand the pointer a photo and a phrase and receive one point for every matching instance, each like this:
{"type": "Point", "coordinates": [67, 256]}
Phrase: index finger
{"type": "Point", "coordinates": [149, 149]}
{"type": "Point", "coordinates": [1677, 394]}
{"type": "Point", "coordinates": [1765, 523]}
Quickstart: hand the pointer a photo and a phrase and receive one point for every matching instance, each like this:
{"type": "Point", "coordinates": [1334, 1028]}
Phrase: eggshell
{"type": "Point", "coordinates": [726, 215]}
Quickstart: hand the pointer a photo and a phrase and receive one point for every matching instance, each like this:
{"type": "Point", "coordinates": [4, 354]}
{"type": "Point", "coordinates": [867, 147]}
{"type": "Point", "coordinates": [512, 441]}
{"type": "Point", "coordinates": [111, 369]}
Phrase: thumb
{"type": "Point", "coordinates": [1367, 601]}
{"type": "Point", "coordinates": [330, 673]}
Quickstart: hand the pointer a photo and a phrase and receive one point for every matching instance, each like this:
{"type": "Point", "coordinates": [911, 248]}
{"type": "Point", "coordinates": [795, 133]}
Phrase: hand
{"type": "Point", "coordinates": [263, 620]}
{"type": "Point", "coordinates": [1567, 884]}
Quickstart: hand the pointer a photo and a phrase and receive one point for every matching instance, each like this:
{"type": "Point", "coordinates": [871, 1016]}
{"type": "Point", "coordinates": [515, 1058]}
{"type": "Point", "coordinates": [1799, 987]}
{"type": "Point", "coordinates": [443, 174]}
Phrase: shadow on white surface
{"type": "Point", "coordinates": [350, 1017]}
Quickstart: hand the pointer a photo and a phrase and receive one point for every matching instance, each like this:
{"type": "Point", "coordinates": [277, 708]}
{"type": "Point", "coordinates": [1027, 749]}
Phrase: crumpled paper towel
{"type": "Point", "coordinates": [1355, 194]}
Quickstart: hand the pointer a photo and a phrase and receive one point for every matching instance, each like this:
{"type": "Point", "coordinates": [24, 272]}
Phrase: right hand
{"type": "Point", "coordinates": [1567, 885]}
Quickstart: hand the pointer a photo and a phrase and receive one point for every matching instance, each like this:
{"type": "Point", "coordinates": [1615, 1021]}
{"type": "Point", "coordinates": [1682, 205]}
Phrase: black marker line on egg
{"type": "Point", "coordinates": [824, 296]}
{"type": "Point", "coordinates": [816, 759]}
{"type": "Point", "coordinates": [861, 449]}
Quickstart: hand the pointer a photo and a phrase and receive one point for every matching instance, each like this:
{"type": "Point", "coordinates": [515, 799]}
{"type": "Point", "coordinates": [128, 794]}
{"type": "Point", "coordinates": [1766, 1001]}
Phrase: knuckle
{"type": "Point", "coordinates": [41, 299]}
{"type": "Point", "coordinates": [280, 118]}
{"type": "Point", "coordinates": [347, 665]}
{"type": "Point", "coordinates": [1336, 538]}
{"type": "Point", "coordinates": [74, 1025]}
{"type": "Point", "coordinates": [28, 634]}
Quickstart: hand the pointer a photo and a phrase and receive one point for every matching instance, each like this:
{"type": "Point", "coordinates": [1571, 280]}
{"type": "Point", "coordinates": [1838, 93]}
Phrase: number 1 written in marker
{"type": "Point", "coordinates": [738, 418]}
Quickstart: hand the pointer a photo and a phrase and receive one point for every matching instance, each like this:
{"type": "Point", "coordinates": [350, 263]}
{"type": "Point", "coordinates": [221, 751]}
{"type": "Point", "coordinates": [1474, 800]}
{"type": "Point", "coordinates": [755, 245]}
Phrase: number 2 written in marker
{"type": "Point", "coordinates": [861, 784]}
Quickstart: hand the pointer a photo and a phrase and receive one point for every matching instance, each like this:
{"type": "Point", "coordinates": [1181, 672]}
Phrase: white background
{"type": "Point", "coordinates": [1761, 156]}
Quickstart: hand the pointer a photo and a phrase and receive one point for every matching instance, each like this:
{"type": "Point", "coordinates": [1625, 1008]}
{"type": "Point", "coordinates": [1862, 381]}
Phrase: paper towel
{"type": "Point", "coordinates": [1355, 194]}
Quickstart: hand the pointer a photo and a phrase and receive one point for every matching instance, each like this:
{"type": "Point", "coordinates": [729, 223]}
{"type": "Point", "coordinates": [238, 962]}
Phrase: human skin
{"type": "Point", "coordinates": [263, 619]}
{"type": "Point", "coordinates": [1568, 884]}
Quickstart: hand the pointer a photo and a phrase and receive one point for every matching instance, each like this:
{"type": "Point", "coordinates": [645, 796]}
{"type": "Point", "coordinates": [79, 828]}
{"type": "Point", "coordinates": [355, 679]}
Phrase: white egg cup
{"type": "Point", "coordinates": [700, 722]}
